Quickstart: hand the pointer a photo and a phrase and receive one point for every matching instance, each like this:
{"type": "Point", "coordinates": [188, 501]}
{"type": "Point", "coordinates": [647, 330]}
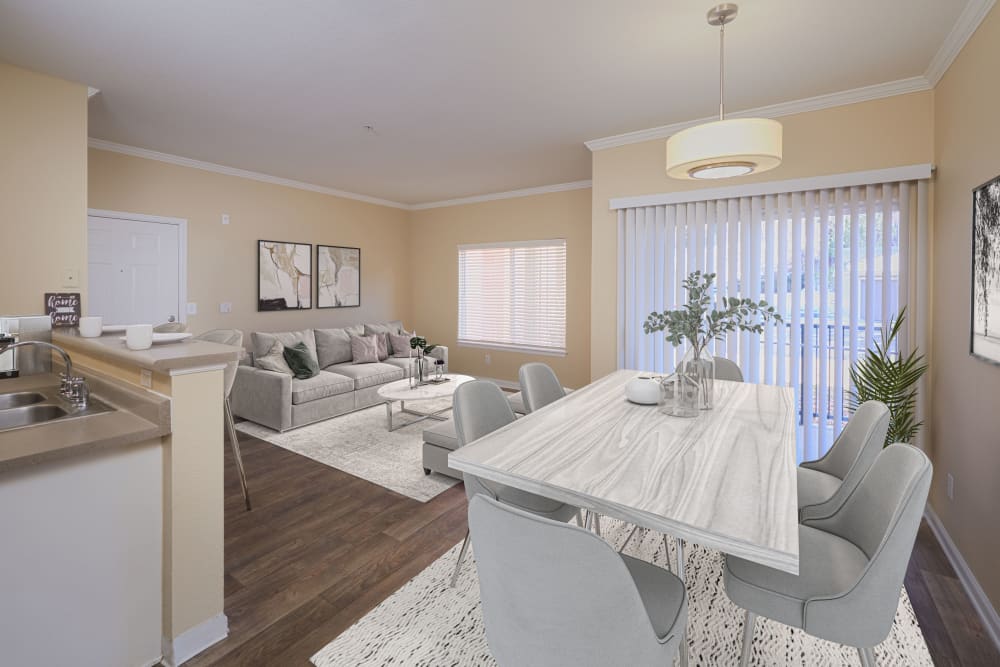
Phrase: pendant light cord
{"type": "Point", "coordinates": [722, 71]}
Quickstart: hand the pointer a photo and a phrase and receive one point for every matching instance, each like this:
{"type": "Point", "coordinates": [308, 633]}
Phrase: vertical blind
{"type": "Point", "coordinates": [833, 262]}
{"type": "Point", "coordinates": [513, 296]}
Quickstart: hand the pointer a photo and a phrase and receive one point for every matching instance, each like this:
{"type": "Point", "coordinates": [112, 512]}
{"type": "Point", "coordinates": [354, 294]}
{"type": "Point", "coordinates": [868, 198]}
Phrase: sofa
{"type": "Point", "coordinates": [281, 402]}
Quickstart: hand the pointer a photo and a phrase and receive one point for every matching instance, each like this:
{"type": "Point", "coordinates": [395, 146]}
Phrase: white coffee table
{"type": "Point", "coordinates": [400, 391]}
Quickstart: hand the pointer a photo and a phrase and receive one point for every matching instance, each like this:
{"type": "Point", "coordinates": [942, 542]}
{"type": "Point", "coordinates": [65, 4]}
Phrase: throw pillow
{"type": "Point", "coordinates": [273, 359]}
{"type": "Point", "coordinates": [382, 339]}
{"type": "Point", "coordinates": [300, 360]}
{"type": "Point", "coordinates": [400, 344]}
{"type": "Point", "coordinates": [364, 349]}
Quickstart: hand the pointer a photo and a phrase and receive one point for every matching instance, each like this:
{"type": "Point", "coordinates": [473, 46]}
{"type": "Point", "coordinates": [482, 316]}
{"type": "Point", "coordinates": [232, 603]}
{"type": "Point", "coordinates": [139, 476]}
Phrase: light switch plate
{"type": "Point", "coordinates": [225, 307]}
{"type": "Point", "coordinates": [225, 218]}
{"type": "Point", "coordinates": [192, 308]}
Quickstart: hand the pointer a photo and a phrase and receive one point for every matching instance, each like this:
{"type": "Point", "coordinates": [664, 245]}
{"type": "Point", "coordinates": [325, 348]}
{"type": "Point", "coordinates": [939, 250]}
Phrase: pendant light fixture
{"type": "Point", "coordinates": [724, 148]}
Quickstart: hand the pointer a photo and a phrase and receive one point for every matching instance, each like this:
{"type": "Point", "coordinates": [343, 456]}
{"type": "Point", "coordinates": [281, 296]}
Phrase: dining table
{"type": "Point", "coordinates": [724, 479]}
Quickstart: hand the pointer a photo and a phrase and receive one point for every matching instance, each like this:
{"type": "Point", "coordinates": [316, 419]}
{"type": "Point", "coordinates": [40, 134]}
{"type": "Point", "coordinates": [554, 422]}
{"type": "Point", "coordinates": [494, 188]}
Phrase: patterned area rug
{"type": "Point", "coordinates": [425, 623]}
{"type": "Point", "coordinates": [359, 443]}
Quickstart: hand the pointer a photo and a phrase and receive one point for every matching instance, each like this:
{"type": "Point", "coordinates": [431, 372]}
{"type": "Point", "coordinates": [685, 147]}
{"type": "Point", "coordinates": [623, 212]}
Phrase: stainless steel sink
{"type": "Point", "coordinates": [8, 401]}
{"type": "Point", "coordinates": [42, 406]}
{"type": "Point", "coordinates": [29, 415]}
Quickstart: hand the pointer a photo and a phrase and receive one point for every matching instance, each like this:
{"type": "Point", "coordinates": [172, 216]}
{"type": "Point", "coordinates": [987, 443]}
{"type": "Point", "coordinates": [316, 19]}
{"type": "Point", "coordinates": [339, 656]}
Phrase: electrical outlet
{"type": "Point", "coordinates": [225, 307]}
{"type": "Point", "coordinates": [951, 487]}
{"type": "Point", "coordinates": [487, 358]}
{"type": "Point", "coordinates": [192, 308]}
{"type": "Point", "coordinates": [146, 378]}
{"type": "Point", "coordinates": [225, 218]}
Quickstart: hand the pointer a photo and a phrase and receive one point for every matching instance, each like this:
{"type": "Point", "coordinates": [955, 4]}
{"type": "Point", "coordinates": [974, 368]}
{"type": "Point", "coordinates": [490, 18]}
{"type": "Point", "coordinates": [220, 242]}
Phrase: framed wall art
{"type": "Point", "coordinates": [338, 276]}
{"type": "Point", "coordinates": [284, 276]}
{"type": "Point", "coordinates": [986, 271]}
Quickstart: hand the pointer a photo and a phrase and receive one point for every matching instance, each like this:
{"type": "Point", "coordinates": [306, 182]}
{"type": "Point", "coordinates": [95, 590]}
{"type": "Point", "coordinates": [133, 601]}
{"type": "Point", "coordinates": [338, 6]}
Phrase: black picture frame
{"type": "Point", "coordinates": [271, 299]}
{"type": "Point", "coordinates": [985, 272]}
{"type": "Point", "coordinates": [323, 298]}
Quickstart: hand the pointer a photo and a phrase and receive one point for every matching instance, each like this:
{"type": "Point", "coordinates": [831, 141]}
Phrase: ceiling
{"type": "Point", "coordinates": [466, 97]}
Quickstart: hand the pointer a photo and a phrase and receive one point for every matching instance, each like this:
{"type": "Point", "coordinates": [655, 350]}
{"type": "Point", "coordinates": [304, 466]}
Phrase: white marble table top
{"type": "Point", "coordinates": [400, 389]}
{"type": "Point", "coordinates": [725, 479]}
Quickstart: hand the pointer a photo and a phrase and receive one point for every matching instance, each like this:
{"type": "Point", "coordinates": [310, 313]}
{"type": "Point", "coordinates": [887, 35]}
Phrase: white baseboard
{"type": "Point", "coordinates": [195, 640]}
{"type": "Point", "coordinates": [503, 384]}
{"type": "Point", "coordinates": [987, 613]}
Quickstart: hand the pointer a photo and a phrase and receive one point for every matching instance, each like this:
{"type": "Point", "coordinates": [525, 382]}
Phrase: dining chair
{"type": "Point", "coordinates": [727, 369]}
{"type": "Point", "coordinates": [554, 594]}
{"type": "Point", "coordinates": [232, 337]}
{"type": "Point", "coordinates": [539, 386]}
{"type": "Point", "coordinates": [824, 484]}
{"type": "Point", "coordinates": [851, 563]}
{"type": "Point", "coordinates": [170, 327]}
{"type": "Point", "coordinates": [479, 409]}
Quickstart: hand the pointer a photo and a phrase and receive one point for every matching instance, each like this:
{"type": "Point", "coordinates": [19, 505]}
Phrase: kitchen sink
{"type": "Point", "coordinates": [19, 399]}
{"type": "Point", "coordinates": [29, 415]}
{"type": "Point", "coordinates": [42, 406]}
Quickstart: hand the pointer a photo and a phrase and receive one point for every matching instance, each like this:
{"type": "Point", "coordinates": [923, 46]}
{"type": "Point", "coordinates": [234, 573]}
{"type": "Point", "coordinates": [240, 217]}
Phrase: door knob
{"type": "Point", "coordinates": [171, 319]}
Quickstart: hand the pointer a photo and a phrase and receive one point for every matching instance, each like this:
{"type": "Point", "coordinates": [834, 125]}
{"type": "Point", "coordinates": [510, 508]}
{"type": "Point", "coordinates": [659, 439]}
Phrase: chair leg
{"type": "Point", "coordinates": [679, 544]}
{"type": "Point", "coordinates": [682, 651]}
{"type": "Point", "coordinates": [579, 518]}
{"type": "Point", "coordinates": [597, 524]}
{"type": "Point", "coordinates": [234, 442]}
{"type": "Point", "coordinates": [628, 539]}
{"type": "Point", "coordinates": [461, 557]}
{"type": "Point", "coordinates": [748, 624]}
{"type": "Point", "coordinates": [867, 656]}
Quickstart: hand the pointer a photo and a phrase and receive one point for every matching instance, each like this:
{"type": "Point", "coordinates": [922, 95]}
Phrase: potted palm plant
{"type": "Point", "coordinates": [698, 324]}
{"type": "Point", "coordinates": [887, 376]}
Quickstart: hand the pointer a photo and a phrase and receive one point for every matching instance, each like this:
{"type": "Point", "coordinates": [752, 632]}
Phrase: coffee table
{"type": "Point", "coordinates": [400, 391]}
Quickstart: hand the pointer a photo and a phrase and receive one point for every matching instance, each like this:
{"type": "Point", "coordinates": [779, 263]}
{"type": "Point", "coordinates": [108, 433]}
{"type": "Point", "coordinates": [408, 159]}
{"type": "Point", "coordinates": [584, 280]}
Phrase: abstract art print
{"type": "Point", "coordinates": [986, 271]}
{"type": "Point", "coordinates": [284, 276]}
{"type": "Point", "coordinates": [338, 277]}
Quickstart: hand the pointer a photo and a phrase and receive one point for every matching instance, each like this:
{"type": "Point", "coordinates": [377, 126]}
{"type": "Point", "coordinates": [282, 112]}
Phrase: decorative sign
{"type": "Point", "coordinates": [63, 308]}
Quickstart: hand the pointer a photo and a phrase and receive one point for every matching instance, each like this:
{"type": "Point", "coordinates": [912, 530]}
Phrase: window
{"type": "Point", "coordinates": [834, 262]}
{"type": "Point", "coordinates": [512, 296]}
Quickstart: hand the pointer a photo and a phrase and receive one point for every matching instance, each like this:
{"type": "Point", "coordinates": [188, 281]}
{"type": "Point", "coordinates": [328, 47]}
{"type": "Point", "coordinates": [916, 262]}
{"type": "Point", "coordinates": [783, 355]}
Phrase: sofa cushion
{"type": "Point", "coordinates": [442, 435]}
{"type": "Point", "coordinates": [405, 363]}
{"type": "Point", "coordinates": [364, 349]}
{"type": "Point", "coordinates": [368, 375]}
{"type": "Point", "coordinates": [322, 385]}
{"type": "Point", "coordinates": [263, 341]}
{"type": "Point", "coordinates": [333, 346]}
{"type": "Point", "coordinates": [393, 327]}
{"type": "Point", "coordinates": [399, 345]}
{"type": "Point", "coordinates": [273, 359]}
{"type": "Point", "coordinates": [301, 361]}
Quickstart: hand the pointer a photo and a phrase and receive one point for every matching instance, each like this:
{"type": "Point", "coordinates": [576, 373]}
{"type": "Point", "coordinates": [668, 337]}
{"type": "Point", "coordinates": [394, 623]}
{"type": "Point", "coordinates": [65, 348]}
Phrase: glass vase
{"type": "Point", "coordinates": [699, 366]}
{"type": "Point", "coordinates": [680, 395]}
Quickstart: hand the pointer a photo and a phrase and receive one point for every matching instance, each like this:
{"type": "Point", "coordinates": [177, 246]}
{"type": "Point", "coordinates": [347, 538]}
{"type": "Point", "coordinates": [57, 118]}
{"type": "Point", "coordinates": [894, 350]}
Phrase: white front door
{"type": "Point", "coordinates": [133, 269]}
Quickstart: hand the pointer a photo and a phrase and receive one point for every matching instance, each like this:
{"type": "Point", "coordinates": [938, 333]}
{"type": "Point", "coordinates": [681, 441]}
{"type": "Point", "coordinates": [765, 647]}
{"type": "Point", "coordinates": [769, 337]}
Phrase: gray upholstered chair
{"type": "Point", "coordinates": [824, 484]}
{"type": "Point", "coordinates": [851, 563]}
{"type": "Point", "coordinates": [539, 386]}
{"type": "Point", "coordinates": [726, 369]}
{"type": "Point", "coordinates": [480, 408]}
{"type": "Point", "coordinates": [554, 594]}
{"type": "Point", "coordinates": [230, 337]}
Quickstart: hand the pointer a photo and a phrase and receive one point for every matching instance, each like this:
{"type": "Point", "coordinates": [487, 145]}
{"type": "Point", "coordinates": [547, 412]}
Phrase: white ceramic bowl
{"type": "Point", "coordinates": [644, 390]}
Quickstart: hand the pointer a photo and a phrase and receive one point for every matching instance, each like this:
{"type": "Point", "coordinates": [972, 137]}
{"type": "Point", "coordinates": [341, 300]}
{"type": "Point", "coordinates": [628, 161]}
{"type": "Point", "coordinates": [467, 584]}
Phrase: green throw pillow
{"type": "Point", "coordinates": [301, 362]}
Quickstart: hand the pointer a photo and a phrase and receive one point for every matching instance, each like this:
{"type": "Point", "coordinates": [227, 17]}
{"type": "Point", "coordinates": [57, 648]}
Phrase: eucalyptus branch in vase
{"type": "Point", "coordinates": [699, 323]}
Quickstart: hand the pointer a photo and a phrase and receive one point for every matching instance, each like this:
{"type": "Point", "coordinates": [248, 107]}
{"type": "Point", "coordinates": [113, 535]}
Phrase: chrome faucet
{"type": "Point", "coordinates": [71, 387]}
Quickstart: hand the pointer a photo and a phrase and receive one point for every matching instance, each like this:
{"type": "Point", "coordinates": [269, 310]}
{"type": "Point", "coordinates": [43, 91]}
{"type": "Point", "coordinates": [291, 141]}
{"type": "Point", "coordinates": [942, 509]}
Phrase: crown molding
{"type": "Point", "coordinates": [510, 194]}
{"type": "Point", "coordinates": [844, 97]}
{"type": "Point", "coordinates": [968, 21]}
{"type": "Point", "coordinates": [135, 151]}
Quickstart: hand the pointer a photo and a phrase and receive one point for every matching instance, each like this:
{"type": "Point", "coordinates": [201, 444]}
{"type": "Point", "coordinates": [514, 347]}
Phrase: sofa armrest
{"type": "Point", "coordinates": [264, 397]}
{"type": "Point", "coordinates": [440, 352]}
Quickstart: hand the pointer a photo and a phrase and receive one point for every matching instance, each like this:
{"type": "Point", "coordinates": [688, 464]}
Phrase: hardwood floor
{"type": "Point", "coordinates": [322, 548]}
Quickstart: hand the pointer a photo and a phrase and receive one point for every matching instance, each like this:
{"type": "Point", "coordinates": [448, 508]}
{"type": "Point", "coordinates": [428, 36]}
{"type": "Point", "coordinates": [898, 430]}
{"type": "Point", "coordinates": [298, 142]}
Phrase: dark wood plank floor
{"type": "Point", "coordinates": [322, 548]}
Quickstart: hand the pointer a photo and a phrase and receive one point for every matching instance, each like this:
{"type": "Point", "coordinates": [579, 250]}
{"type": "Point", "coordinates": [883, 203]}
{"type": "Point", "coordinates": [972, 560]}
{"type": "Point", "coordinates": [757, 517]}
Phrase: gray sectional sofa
{"type": "Point", "coordinates": [281, 402]}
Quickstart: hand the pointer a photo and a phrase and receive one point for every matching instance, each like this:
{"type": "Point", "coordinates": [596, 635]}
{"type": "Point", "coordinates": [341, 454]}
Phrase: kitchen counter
{"type": "Point", "coordinates": [137, 417]}
{"type": "Point", "coordinates": [161, 358]}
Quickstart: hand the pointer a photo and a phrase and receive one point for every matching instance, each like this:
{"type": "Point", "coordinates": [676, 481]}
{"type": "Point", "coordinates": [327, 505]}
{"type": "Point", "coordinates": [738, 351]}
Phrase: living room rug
{"type": "Point", "coordinates": [358, 443]}
{"type": "Point", "coordinates": [425, 623]}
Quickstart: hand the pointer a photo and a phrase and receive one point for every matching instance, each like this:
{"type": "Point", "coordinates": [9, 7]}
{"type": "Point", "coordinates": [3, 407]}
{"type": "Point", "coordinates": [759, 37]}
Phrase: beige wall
{"type": "Point", "coordinates": [435, 233]}
{"type": "Point", "coordinates": [872, 135]}
{"type": "Point", "coordinates": [222, 259]}
{"type": "Point", "coordinates": [43, 187]}
{"type": "Point", "coordinates": [965, 424]}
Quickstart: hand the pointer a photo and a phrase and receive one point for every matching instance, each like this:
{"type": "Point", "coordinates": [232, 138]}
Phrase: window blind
{"type": "Point", "coordinates": [835, 263]}
{"type": "Point", "coordinates": [513, 296]}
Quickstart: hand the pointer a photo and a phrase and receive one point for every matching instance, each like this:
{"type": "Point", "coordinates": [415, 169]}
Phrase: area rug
{"type": "Point", "coordinates": [425, 623]}
{"type": "Point", "coordinates": [359, 443]}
